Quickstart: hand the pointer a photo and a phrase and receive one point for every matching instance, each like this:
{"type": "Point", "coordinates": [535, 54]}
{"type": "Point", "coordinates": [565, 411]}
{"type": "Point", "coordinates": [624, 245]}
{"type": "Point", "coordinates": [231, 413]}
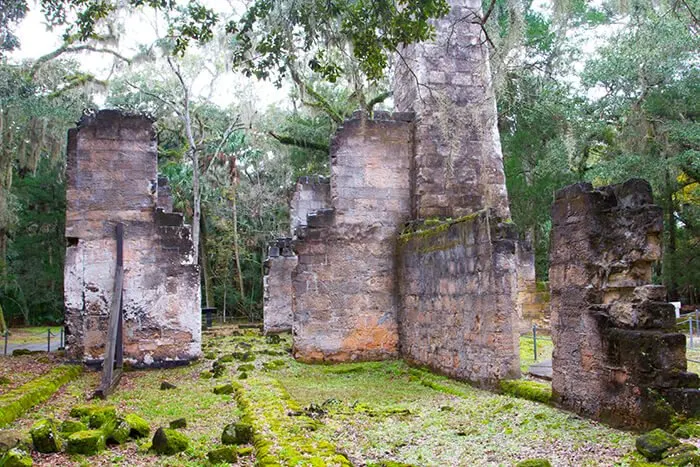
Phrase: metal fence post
{"type": "Point", "coordinates": [7, 335]}
{"type": "Point", "coordinates": [534, 340]}
{"type": "Point", "coordinates": [48, 340]}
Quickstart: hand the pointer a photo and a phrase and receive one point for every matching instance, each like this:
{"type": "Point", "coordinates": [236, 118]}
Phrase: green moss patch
{"type": "Point", "coordinates": [278, 438]}
{"type": "Point", "coordinates": [15, 403]}
{"type": "Point", "coordinates": [139, 428]}
{"type": "Point", "coordinates": [87, 443]}
{"type": "Point", "coordinates": [169, 442]}
{"type": "Point", "coordinates": [654, 444]}
{"type": "Point", "coordinates": [46, 436]}
{"type": "Point", "coordinates": [16, 458]}
{"type": "Point", "coordinates": [525, 389]}
{"type": "Point", "coordinates": [534, 463]}
{"type": "Point", "coordinates": [226, 454]}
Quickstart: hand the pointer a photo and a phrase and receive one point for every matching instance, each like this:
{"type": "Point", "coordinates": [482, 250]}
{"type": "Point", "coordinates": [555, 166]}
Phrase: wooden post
{"type": "Point", "coordinates": [113, 347]}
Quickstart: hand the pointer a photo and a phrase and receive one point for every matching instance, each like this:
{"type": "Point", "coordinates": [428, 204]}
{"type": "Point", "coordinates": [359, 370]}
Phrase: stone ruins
{"type": "Point", "coordinates": [617, 355]}
{"type": "Point", "coordinates": [408, 251]}
{"type": "Point", "coordinates": [112, 178]}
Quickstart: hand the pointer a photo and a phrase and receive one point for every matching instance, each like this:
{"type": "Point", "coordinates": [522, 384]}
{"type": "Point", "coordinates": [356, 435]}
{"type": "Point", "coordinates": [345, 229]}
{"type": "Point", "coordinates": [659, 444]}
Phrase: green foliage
{"type": "Point", "coordinates": [16, 402]}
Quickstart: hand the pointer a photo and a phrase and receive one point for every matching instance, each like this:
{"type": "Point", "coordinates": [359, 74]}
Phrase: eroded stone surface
{"type": "Point", "coordinates": [458, 167]}
{"type": "Point", "coordinates": [277, 286]}
{"type": "Point", "coordinates": [457, 286]}
{"type": "Point", "coordinates": [345, 305]}
{"type": "Point", "coordinates": [617, 356]}
{"type": "Point", "coordinates": [112, 177]}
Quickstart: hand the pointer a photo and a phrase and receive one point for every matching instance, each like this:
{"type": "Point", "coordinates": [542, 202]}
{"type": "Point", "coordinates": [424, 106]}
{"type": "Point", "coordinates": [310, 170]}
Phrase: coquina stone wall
{"type": "Point", "coordinates": [277, 286]}
{"type": "Point", "coordinates": [111, 178]}
{"type": "Point", "coordinates": [345, 301]}
{"type": "Point", "coordinates": [617, 356]}
{"type": "Point", "coordinates": [533, 297]}
{"type": "Point", "coordinates": [457, 286]}
{"type": "Point", "coordinates": [311, 194]}
{"type": "Point", "coordinates": [458, 166]}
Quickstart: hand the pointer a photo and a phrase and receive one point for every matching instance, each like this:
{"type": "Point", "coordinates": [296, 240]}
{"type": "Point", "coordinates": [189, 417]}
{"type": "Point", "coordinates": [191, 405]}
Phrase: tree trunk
{"type": "Point", "coordinates": [204, 261]}
{"type": "Point", "coordinates": [3, 325]}
{"type": "Point", "coordinates": [670, 263]}
{"type": "Point", "coordinates": [236, 250]}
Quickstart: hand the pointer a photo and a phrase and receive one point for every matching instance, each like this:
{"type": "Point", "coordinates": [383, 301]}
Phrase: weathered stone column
{"type": "Point", "coordinates": [111, 178]}
{"type": "Point", "coordinates": [458, 166]}
{"type": "Point", "coordinates": [457, 262]}
{"type": "Point", "coordinates": [277, 286]}
{"type": "Point", "coordinates": [345, 303]}
{"type": "Point", "coordinates": [617, 356]}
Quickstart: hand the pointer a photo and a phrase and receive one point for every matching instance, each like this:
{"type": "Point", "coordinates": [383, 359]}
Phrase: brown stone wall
{"type": "Point", "coordinates": [457, 287]}
{"type": "Point", "coordinates": [345, 303]}
{"type": "Point", "coordinates": [112, 177]}
{"type": "Point", "coordinates": [447, 82]}
{"type": "Point", "coordinates": [533, 297]}
{"type": "Point", "coordinates": [617, 356]}
{"type": "Point", "coordinates": [277, 286]}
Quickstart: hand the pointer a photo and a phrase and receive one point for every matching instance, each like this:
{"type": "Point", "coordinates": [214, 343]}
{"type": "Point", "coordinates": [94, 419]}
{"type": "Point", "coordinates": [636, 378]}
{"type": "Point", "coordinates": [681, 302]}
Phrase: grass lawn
{"type": "Point", "coordinates": [316, 414]}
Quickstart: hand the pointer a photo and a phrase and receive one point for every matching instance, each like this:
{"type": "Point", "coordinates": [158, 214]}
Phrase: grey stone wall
{"type": "Point", "coordinates": [457, 287]}
{"type": "Point", "coordinates": [277, 286]}
{"type": "Point", "coordinates": [111, 177]}
{"type": "Point", "coordinates": [458, 162]}
{"type": "Point", "coordinates": [345, 303]}
{"type": "Point", "coordinates": [311, 194]}
{"type": "Point", "coordinates": [617, 356]}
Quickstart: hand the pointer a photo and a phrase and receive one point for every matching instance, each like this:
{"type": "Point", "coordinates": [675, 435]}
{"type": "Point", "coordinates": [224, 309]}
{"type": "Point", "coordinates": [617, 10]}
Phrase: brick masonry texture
{"type": "Point", "coordinates": [112, 177]}
{"type": "Point", "coordinates": [458, 167]}
{"type": "Point", "coordinates": [345, 304]}
{"type": "Point", "coordinates": [457, 289]}
{"type": "Point", "coordinates": [617, 356]}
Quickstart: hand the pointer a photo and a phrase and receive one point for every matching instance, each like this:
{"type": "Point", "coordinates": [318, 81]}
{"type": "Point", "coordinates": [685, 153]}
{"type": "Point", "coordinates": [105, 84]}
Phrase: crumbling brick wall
{"type": "Point", "coordinates": [345, 303]}
{"type": "Point", "coordinates": [617, 356]}
{"type": "Point", "coordinates": [447, 82]}
{"type": "Point", "coordinates": [457, 289]}
{"type": "Point", "coordinates": [277, 286]}
{"type": "Point", "coordinates": [111, 178]}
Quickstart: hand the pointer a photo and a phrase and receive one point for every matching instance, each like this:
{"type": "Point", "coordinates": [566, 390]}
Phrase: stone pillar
{"type": "Point", "coordinates": [617, 356]}
{"type": "Point", "coordinates": [345, 303]}
{"type": "Point", "coordinates": [458, 167]}
{"type": "Point", "coordinates": [111, 177]}
{"type": "Point", "coordinates": [277, 286]}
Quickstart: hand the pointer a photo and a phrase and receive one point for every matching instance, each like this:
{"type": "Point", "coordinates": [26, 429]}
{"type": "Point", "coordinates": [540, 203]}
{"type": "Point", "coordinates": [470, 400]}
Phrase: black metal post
{"type": "Point", "coordinates": [534, 340]}
{"type": "Point", "coordinates": [7, 335]}
{"type": "Point", "coordinates": [48, 340]}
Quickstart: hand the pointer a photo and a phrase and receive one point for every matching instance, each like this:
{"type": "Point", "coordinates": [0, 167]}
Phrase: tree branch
{"type": "Point", "coordinates": [300, 143]}
{"type": "Point", "coordinates": [71, 49]}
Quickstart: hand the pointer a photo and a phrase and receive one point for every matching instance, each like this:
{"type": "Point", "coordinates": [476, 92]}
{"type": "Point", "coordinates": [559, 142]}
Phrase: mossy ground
{"type": "Point", "coordinates": [369, 412]}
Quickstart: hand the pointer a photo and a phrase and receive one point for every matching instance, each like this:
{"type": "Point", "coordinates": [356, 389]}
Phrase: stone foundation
{"type": "Point", "coordinates": [617, 356]}
{"type": "Point", "coordinates": [457, 289]}
{"type": "Point", "coordinates": [111, 178]}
